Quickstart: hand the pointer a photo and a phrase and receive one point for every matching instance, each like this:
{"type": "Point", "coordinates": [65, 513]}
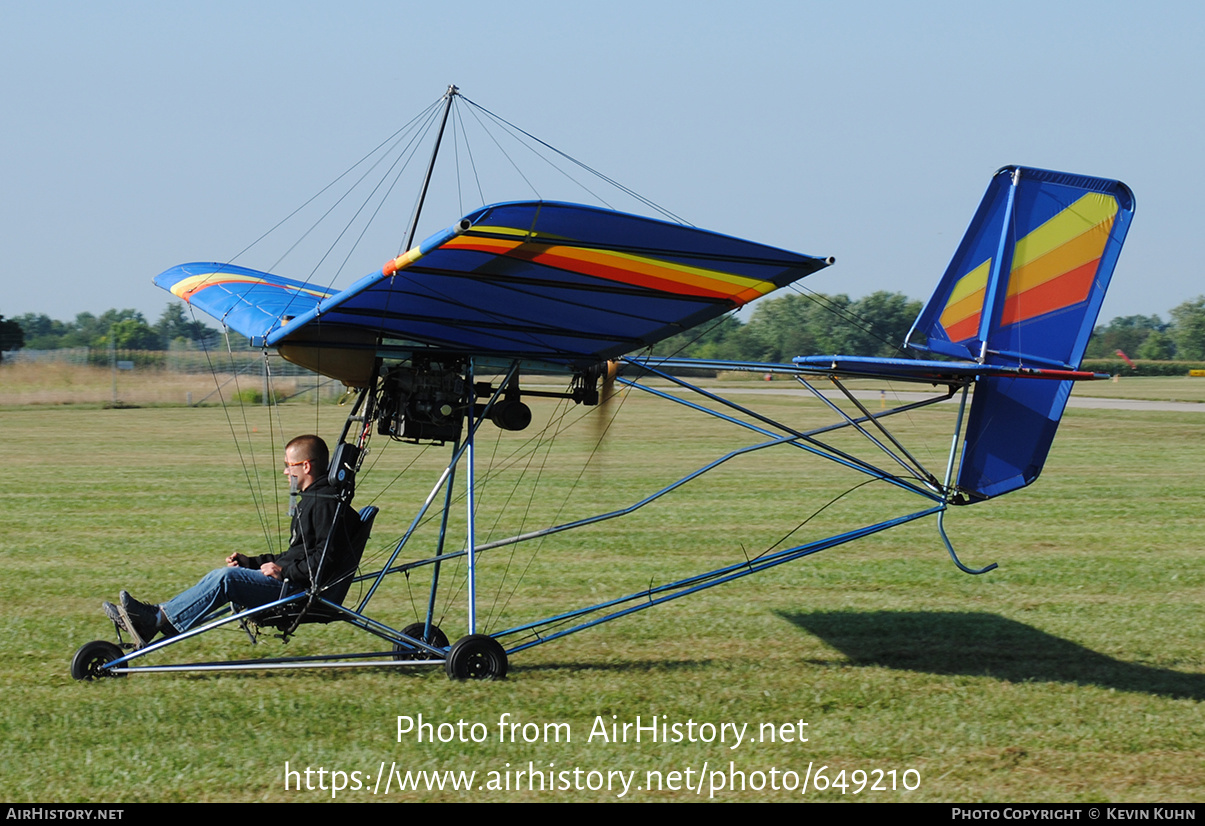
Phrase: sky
{"type": "Point", "coordinates": [138, 136]}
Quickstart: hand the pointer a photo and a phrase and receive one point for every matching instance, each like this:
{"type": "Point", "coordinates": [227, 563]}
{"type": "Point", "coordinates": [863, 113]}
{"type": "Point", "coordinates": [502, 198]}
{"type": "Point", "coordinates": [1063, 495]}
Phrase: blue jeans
{"type": "Point", "coordinates": [243, 586]}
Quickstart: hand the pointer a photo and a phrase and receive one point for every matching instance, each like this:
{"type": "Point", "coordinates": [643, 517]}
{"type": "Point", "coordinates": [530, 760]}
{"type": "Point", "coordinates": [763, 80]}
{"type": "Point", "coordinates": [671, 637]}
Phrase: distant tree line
{"type": "Point", "coordinates": [802, 324]}
{"type": "Point", "coordinates": [1148, 337]}
{"type": "Point", "coordinates": [121, 329]}
{"type": "Point", "coordinates": [875, 325]}
{"type": "Point", "coordinates": [778, 330]}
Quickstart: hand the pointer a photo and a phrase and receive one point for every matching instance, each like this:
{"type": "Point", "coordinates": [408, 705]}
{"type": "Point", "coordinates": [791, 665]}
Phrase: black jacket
{"type": "Point", "coordinates": [313, 521]}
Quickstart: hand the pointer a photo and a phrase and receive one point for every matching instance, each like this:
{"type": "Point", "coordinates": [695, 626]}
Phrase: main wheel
{"type": "Point", "coordinates": [89, 662]}
{"type": "Point", "coordinates": [436, 638]}
{"type": "Point", "coordinates": [476, 657]}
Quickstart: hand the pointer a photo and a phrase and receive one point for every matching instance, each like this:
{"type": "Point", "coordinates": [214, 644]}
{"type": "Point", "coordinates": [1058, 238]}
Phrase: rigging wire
{"type": "Point", "coordinates": [568, 495]}
{"type": "Point", "coordinates": [253, 480]}
{"type": "Point", "coordinates": [273, 406]}
{"type": "Point", "coordinates": [367, 224]}
{"type": "Point", "coordinates": [459, 130]}
{"type": "Point", "coordinates": [495, 609]}
{"type": "Point", "coordinates": [849, 317]}
{"type": "Point", "coordinates": [506, 155]}
{"type": "Point", "coordinates": [395, 168]}
{"type": "Point", "coordinates": [416, 128]}
{"type": "Point", "coordinates": [487, 484]}
{"type": "Point", "coordinates": [412, 147]}
{"type": "Point", "coordinates": [456, 161]}
{"type": "Point", "coordinates": [814, 514]}
{"type": "Point", "coordinates": [630, 192]}
{"type": "Point", "coordinates": [395, 136]}
{"type": "Point", "coordinates": [253, 484]}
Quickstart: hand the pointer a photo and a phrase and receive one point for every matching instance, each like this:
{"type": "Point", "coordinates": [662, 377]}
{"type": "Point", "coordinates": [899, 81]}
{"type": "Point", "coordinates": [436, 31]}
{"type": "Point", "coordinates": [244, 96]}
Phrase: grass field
{"type": "Point", "coordinates": [1074, 672]}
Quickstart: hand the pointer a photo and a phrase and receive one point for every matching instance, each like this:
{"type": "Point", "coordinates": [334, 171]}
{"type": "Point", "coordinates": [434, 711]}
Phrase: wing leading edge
{"type": "Point", "coordinates": [559, 283]}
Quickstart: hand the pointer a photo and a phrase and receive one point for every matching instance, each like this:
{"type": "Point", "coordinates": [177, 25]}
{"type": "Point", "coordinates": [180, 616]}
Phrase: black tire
{"type": "Point", "coordinates": [89, 662]}
{"type": "Point", "coordinates": [436, 638]}
{"type": "Point", "coordinates": [476, 657]}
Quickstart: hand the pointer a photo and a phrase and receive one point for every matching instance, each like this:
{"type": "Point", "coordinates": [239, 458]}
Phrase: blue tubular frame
{"type": "Point", "coordinates": [446, 478]}
{"type": "Point", "coordinates": [934, 488]}
{"type": "Point", "coordinates": [700, 582]}
{"type": "Point", "coordinates": [470, 499]}
{"type": "Point", "coordinates": [806, 441]}
{"type": "Point", "coordinates": [542, 631]}
{"type": "Point", "coordinates": [355, 618]}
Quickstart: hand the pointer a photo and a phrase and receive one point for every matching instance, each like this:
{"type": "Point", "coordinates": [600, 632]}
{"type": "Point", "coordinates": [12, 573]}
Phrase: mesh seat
{"type": "Point", "coordinates": [305, 611]}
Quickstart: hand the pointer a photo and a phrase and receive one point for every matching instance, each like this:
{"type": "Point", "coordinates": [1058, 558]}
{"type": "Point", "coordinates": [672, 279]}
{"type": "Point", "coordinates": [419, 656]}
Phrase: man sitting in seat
{"type": "Point", "coordinates": [251, 581]}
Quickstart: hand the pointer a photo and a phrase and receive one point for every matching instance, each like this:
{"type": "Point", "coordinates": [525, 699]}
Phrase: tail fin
{"type": "Point", "coordinates": [1029, 277]}
{"type": "Point", "coordinates": [1024, 289]}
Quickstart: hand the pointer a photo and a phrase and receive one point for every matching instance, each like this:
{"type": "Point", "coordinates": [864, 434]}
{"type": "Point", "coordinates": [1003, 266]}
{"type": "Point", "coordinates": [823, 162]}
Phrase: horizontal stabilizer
{"type": "Point", "coordinates": [934, 372]}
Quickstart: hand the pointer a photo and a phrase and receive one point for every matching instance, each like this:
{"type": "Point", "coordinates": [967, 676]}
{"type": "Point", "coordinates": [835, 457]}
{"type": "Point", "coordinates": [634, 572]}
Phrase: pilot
{"type": "Point", "coordinates": [251, 581]}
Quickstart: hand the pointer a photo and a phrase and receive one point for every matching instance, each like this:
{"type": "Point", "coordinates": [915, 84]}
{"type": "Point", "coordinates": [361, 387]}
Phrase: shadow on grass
{"type": "Point", "coordinates": [984, 645]}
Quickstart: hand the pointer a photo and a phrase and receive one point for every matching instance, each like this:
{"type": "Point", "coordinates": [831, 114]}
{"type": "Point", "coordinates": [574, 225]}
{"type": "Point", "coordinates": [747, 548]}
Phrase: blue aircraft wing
{"type": "Point", "coordinates": [552, 282]}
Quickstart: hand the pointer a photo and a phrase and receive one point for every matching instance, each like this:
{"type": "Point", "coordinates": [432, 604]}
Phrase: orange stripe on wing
{"type": "Point", "coordinates": [625, 268]}
{"type": "Point", "coordinates": [638, 274]}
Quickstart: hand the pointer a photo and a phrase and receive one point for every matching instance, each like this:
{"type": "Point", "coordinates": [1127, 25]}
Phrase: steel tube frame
{"type": "Point", "coordinates": [790, 438]}
{"type": "Point", "coordinates": [354, 618]}
{"type": "Point", "coordinates": [699, 582]}
{"type": "Point", "coordinates": [445, 477]}
{"type": "Point", "coordinates": [546, 630]}
{"type": "Point", "coordinates": [804, 440]}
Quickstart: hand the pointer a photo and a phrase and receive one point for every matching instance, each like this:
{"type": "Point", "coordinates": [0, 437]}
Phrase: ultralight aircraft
{"type": "Point", "coordinates": [442, 341]}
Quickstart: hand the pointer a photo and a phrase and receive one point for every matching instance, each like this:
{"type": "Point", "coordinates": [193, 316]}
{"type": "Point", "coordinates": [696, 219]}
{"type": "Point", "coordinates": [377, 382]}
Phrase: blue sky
{"type": "Point", "coordinates": [141, 135]}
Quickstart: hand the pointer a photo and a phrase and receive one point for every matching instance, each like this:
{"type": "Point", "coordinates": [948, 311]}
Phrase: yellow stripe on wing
{"type": "Point", "coordinates": [185, 288]}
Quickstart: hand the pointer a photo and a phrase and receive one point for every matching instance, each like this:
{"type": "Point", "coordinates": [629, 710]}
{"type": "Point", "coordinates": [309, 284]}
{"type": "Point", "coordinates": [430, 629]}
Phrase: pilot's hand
{"type": "Point", "coordinates": [271, 569]}
{"type": "Point", "coordinates": [237, 560]}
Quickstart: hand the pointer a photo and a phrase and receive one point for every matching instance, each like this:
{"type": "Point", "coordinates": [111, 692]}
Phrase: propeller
{"type": "Point", "coordinates": [606, 391]}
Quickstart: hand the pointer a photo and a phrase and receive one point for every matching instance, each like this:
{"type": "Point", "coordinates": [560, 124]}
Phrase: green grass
{"type": "Point", "coordinates": [1074, 672]}
{"type": "Point", "coordinates": [1152, 388]}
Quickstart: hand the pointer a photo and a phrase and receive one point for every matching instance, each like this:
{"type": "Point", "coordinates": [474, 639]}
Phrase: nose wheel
{"type": "Point", "coordinates": [90, 661]}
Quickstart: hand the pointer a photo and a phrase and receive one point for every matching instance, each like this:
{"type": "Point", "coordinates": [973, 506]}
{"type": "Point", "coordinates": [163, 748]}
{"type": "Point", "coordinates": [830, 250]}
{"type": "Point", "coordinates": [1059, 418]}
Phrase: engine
{"type": "Point", "coordinates": [423, 402]}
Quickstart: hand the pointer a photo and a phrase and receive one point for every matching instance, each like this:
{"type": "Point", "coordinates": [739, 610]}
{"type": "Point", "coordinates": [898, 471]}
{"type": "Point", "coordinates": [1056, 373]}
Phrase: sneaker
{"type": "Point", "coordinates": [114, 614]}
{"type": "Point", "coordinates": [138, 609]}
{"type": "Point", "coordinates": [142, 620]}
{"type": "Point", "coordinates": [122, 620]}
